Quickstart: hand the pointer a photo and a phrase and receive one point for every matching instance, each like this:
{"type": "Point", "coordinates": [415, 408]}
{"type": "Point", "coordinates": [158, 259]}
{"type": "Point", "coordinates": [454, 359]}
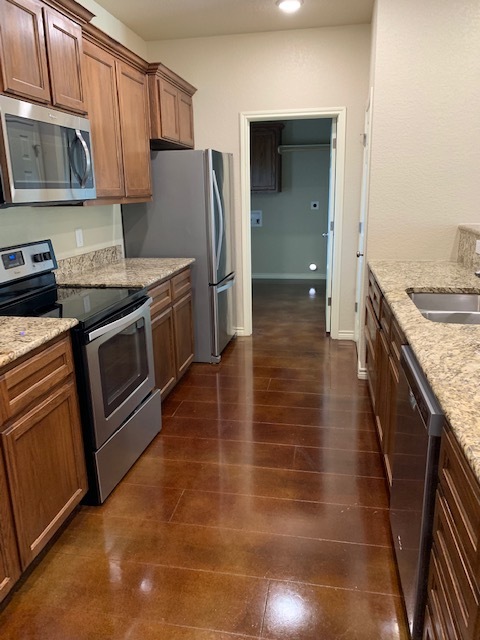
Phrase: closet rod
{"type": "Point", "coordinates": [301, 147]}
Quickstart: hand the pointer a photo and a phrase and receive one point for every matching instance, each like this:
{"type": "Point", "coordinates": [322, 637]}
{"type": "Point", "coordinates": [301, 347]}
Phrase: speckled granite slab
{"type": "Point", "coordinates": [18, 336]}
{"type": "Point", "coordinates": [92, 260]}
{"type": "Point", "coordinates": [448, 353]}
{"type": "Point", "coordinates": [468, 236]}
{"type": "Point", "coordinates": [132, 272]}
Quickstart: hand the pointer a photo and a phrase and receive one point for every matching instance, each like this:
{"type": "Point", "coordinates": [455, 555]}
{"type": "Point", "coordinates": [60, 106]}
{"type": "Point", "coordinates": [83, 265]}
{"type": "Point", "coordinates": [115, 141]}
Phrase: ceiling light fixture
{"type": "Point", "coordinates": [289, 6]}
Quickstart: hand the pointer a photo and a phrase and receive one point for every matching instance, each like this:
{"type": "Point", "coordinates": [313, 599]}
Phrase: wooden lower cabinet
{"type": "Point", "coordinates": [164, 351]}
{"type": "Point", "coordinates": [9, 560]}
{"type": "Point", "coordinates": [454, 580]}
{"type": "Point", "coordinates": [182, 316]}
{"type": "Point", "coordinates": [42, 468]}
{"type": "Point", "coordinates": [172, 330]}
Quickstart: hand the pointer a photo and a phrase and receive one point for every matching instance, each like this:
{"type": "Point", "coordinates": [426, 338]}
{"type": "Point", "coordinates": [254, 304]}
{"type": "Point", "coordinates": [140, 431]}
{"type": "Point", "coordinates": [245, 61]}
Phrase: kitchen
{"type": "Point", "coordinates": [424, 80]}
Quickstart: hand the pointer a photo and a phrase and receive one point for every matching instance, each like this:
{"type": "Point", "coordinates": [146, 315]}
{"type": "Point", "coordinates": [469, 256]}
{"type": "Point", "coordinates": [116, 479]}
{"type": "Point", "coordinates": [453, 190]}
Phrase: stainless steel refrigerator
{"type": "Point", "coordinates": [191, 216]}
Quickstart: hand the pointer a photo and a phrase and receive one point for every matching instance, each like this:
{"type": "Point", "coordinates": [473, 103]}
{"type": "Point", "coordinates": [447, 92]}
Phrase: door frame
{"type": "Point", "coordinates": [337, 113]}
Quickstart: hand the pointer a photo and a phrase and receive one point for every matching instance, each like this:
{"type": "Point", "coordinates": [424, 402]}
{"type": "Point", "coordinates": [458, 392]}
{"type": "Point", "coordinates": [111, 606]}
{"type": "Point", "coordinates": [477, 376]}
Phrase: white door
{"type": "Point", "coordinates": [360, 294]}
{"type": "Point", "coordinates": [330, 225]}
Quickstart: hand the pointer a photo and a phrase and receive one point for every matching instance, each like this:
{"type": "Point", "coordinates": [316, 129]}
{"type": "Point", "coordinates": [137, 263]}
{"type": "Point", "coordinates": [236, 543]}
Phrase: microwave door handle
{"type": "Point", "coordinates": [88, 159]}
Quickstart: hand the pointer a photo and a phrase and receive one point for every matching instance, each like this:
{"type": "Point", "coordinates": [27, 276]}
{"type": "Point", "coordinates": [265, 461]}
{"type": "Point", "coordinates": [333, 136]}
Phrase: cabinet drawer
{"type": "Point", "coordinates": [374, 294]}
{"type": "Point", "coordinates": [181, 284]}
{"type": "Point", "coordinates": [397, 338]}
{"type": "Point", "coordinates": [462, 495]}
{"type": "Point", "coordinates": [385, 318]}
{"type": "Point", "coordinates": [161, 297]}
{"type": "Point", "coordinates": [27, 382]}
{"type": "Point", "coordinates": [462, 593]}
{"type": "Point", "coordinates": [441, 613]}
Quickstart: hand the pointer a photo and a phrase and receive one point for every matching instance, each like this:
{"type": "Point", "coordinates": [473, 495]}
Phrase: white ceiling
{"type": "Point", "coordinates": [172, 19]}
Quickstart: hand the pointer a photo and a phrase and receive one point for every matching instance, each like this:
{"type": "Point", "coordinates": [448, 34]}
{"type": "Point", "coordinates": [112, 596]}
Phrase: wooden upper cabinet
{"type": "Point", "coordinates": [64, 47]}
{"type": "Point", "coordinates": [101, 91]}
{"type": "Point", "coordinates": [134, 124]}
{"type": "Point", "coordinates": [41, 55]}
{"type": "Point", "coordinates": [171, 109]}
{"type": "Point", "coordinates": [265, 161]}
{"type": "Point", "coordinates": [23, 54]}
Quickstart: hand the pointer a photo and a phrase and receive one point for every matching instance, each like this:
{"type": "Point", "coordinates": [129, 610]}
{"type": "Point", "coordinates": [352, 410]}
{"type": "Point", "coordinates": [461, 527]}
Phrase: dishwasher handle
{"type": "Point", "coordinates": [426, 403]}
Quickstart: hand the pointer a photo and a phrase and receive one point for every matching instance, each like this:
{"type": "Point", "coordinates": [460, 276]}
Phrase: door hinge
{"type": "Point", "coordinates": [329, 302]}
{"type": "Point", "coordinates": [331, 225]}
{"type": "Point", "coordinates": [360, 227]}
{"type": "Point", "coordinates": [334, 143]}
{"type": "Point", "coordinates": [364, 139]}
{"type": "Point", "coordinates": [356, 307]}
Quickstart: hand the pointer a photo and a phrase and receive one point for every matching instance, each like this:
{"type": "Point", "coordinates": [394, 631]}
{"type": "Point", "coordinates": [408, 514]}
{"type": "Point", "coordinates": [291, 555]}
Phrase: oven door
{"type": "Point", "coordinates": [119, 358]}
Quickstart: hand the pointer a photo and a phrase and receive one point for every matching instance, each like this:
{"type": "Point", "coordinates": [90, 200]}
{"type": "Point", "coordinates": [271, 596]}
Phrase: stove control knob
{"type": "Point", "coordinates": [47, 255]}
{"type": "Point", "coordinates": [37, 257]}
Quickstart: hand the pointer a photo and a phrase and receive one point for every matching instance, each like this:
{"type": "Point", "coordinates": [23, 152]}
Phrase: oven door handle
{"type": "Point", "coordinates": [121, 322]}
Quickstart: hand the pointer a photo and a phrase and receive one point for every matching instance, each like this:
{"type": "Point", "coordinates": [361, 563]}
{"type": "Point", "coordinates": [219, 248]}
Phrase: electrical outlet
{"type": "Point", "coordinates": [315, 205]}
{"type": "Point", "coordinates": [477, 247]}
{"type": "Point", "coordinates": [79, 237]}
{"type": "Point", "coordinates": [256, 218]}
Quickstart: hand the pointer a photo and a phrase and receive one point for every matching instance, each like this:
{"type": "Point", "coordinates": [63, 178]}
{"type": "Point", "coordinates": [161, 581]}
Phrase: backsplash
{"type": "Point", "coordinates": [469, 234]}
{"type": "Point", "coordinates": [87, 262]}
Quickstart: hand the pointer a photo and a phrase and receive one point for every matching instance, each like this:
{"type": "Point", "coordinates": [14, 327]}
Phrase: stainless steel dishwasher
{"type": "Point", "coordinates": [419, 422]}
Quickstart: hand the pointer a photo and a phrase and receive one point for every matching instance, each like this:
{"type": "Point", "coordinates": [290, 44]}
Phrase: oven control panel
{"type": "Point", "coordinates": [22, 261]}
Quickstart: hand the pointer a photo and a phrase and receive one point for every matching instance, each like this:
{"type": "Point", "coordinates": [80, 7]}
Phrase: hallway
{"type": "Point", "coordinates": [260, 511]}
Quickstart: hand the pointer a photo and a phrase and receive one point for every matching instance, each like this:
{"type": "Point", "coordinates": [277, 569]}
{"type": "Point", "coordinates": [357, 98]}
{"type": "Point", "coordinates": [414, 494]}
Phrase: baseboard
{"type": "Point", "coordinates": [240, 331]}
{"type": "Point", "coordinates": [361, 373]}
{"type": "Point", "coordinates": [289, 276]}
{"type": "Point", "coordinates": [346, 335]}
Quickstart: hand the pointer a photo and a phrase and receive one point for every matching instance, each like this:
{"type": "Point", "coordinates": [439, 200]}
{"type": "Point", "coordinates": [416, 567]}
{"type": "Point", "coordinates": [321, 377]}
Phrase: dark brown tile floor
{"type": "Point", "coordinates": [259, 512]}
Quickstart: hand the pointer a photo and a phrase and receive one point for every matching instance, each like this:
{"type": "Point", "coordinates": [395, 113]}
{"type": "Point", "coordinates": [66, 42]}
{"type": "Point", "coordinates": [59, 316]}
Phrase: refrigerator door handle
{"type": "Point", "coordinates": [230, 282]}
{"type": "Point", "coordinates": [220, 212]}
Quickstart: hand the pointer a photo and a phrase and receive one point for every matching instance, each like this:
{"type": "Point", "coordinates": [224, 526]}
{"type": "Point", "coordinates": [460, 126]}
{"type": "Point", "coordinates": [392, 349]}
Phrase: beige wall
{"type": "Point", "coordinates": [426, 127]}
{"type": "Point", "coordinates": [115, 29]}
{"type": "Point", "coordinates": [101, 227]}
{"type": "Point", "coordinates": [312, 68]}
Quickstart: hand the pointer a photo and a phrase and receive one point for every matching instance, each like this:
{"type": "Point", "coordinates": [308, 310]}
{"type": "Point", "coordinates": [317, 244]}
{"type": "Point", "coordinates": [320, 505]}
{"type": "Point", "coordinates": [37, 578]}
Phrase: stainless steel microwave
{"type": "Point", "coordinates": [45, 155]}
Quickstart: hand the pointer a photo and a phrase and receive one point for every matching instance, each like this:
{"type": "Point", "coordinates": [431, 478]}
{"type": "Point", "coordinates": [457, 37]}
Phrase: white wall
{"type": "Point", "coordinates": [312, 68]}
{"type": "Point", "coordinates": [425, 157]}
{"type": "Point", "coordinates": [291, 236]}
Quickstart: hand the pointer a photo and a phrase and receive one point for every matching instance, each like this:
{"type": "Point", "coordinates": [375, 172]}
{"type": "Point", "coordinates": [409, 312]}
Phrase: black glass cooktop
{"type": "Point", "coordinates": [41, 297]}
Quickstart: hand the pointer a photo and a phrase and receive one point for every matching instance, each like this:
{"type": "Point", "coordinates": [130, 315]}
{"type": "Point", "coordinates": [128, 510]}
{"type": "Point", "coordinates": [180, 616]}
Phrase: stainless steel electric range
{"type": "Point", "coordinates": [112, 343]}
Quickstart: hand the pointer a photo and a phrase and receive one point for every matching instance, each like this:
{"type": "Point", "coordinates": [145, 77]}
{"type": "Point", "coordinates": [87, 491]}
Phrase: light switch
{"type": "Point", "coordinates": [79, 237]}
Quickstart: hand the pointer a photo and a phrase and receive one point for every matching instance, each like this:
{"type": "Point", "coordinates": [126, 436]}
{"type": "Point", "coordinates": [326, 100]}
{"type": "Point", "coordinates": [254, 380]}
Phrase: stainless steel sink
{"type": "Point", "coordinates": [460, 308]}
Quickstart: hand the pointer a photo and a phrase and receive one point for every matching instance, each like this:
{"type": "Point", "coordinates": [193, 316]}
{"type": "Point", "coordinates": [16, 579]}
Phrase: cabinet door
{"type": "Point", "coordinates": [102, 103]}
{"type": "Point", "coordinates": [169, 110]}
{"type": "Point", "coordinates": [381, 392]}
{"type": "Point", "coordinates": [46, 472]}
{"type": "Point", "coordinates": [64, 47]}
{"type": "Point", "coordinates": [164, 352]}
{"type": "Point", "coordinates": [134, 126]}
{"type": "Point", "coordinates": [9, 564]}
{"type": "Point", "coordinates": [23, 57]}
{"type": "Point", "coordinates": [185, 119]}
{"type": "Point", "coordinates": [390, 417]}
{"type": "Point", "coordinates": [265, 161]}
{"type": "Point", "coordinates": [183, 322]}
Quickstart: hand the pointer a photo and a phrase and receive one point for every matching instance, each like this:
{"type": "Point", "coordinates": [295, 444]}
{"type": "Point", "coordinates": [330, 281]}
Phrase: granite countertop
{"type": "Point", "coordinates": [129, 272]}
{"type": "Point", "coordinates": [448, 353]}
{"type": "Point", "coordinates": [18, 336]}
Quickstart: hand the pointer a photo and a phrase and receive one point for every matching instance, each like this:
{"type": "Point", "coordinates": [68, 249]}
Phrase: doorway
{"type": "Point", "coordinates": [336, 202]}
